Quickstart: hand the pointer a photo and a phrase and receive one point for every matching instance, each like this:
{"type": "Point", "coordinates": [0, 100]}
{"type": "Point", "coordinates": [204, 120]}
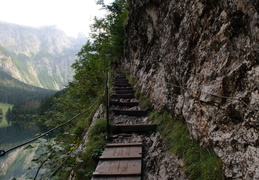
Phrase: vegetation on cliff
{"type": "Point", "coordinates": [199, 162]}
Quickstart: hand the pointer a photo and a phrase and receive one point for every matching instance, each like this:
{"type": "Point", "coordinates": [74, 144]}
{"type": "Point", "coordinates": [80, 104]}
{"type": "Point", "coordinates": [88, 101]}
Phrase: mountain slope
{"type": "Point", "coordinates": [13, 91]}
{"type": "Point", "coordinates": [38, 56]}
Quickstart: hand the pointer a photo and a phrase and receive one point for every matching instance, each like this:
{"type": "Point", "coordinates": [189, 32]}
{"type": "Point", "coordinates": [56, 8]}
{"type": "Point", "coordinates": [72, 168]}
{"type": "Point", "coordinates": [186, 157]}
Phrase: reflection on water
{"type": "Point", "coordinates": [17, 162]}
{"type": "Point", "coordinates": [11, 135]}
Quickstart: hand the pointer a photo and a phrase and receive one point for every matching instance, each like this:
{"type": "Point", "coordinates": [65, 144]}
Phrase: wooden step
{"type": "Point", "coordinates": [130, 112]}
{"type": "Point", "coordinates": [120, 76]}
{"type": "Point", "coordinates": [123, 144]}
{"type": "Point", "coordinates": [120, 161]}
{"type": "Point", "coordinates": [122, 152]}
{"type": "Point", "coordinates": [135, 128]}
{"type": "Point", "coordinates": [124, 104]}
{"type": "Point", "coordinates": [123, 96]}
{"type": "Point", "coordinates": [122, 84]}
{"type": "Point", "coordinates": [119, 168]}
{"type": "Point", "coordinates": [117, 178]}
{"type": "Point", "coordinates": [121, 81]}
{"type": "Point", "coordinates": [125, 91]}
{"type": "Point", "coordinates": [122, 88]}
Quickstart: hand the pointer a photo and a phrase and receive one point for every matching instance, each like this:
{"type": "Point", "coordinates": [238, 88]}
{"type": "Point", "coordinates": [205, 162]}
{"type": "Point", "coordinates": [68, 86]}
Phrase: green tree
{"type": "Point", "coordinates": [8, 116]}
{"type": "Point", "coordinates": [88, 85]}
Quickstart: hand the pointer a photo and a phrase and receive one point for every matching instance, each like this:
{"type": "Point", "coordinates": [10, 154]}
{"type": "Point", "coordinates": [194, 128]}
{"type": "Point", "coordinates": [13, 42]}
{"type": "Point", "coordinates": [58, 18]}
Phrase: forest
{"type": "Point", "coordinates": [13, 91]}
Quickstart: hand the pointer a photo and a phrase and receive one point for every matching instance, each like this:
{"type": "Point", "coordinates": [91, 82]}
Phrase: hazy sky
{"type": "Point", "coordinates": [72, 16]}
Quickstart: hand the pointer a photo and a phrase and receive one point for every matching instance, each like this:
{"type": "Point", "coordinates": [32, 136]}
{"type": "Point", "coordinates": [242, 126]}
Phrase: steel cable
{"type": "Point", "coordinates": [4, 152]}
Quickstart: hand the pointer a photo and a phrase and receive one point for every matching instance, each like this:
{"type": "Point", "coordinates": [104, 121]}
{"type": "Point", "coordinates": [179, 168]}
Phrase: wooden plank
{"type": "Point", "coordinates": [120, 77]}
{"type": "Point", "coordinates": [116, 178]}
{"type": "Point", "coordinates": [128, 152]}
{"type": "Point", "coordinates": [125, 91]}
{"type": "Point", "coordinates": [123, 144]}
{"type": "Point", "coordinates": [123, 80]}
{"type": "Point", "coordinates": [126, 96]}
{"type": "Point", "coordinates": [135, 127]}
{"type": "Point", "coordinates": [119, 167]}
{"type": "Point", "coordinates": [124, 104]}
{"type": "Point", "coordinates": [130, 112]}
{"type": "Point", "coordinates": [122, 85]}
{"type": "Point", "coordinates": [123, 88]}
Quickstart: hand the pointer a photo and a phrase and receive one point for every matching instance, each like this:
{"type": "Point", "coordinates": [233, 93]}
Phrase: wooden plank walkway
{"type": "Point", "coordinates": [120, 161]}
{"type": "Point", "coordinates": [123, 161]}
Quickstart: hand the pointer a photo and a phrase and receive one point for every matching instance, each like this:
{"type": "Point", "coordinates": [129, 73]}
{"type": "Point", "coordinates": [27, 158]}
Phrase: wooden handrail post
{"type": "Point", "coordinates": [107, 105]}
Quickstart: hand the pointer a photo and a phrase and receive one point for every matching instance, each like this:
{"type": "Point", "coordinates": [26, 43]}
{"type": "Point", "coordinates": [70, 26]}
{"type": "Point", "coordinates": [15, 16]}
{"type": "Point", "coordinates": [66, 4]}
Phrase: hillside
{"type": "Point", "coordinates": [13, 91]}
{"type": "Point", "coordinates": [38, 56]}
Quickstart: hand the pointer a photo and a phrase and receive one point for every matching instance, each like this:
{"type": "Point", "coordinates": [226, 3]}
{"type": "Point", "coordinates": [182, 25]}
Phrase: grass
{"type": "Point", "coordinates": [94, 148]}
{"type": "Point", "coordinates": [4, 107]}
{"type": "Point", "coordinates": [144, 102]}
{"type": "Point", "coordinates": [199, 163]}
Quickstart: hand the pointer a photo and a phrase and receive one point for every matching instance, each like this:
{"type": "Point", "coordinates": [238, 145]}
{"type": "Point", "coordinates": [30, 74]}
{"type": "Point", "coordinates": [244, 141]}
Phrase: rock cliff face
{"type": "Point", "coordinates": [200, 60]}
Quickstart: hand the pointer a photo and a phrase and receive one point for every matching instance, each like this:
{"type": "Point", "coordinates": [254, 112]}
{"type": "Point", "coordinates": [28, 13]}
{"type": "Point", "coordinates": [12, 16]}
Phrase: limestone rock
{"type": "Point", "coordinates": [200, 60]}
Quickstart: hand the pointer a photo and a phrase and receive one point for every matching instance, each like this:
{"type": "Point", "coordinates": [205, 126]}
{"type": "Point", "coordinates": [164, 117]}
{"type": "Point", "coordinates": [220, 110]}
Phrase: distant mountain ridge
{"type": "Point", "coordinates": [38, 56]}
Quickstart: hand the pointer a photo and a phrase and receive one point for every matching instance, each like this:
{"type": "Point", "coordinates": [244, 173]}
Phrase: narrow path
{"type": "Point", "coordinates": [132, 153]}
{"type": "Point", "coordinates": [123, 160]}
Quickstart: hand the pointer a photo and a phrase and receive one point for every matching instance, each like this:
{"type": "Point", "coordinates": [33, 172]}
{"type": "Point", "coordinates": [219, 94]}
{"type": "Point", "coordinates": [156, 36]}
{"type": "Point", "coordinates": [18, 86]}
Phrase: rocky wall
{"type": "Point", "coordinates": [200, 60]}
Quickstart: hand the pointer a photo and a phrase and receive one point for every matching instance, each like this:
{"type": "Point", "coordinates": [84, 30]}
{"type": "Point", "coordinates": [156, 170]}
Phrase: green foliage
{"type": "Point", "coordinates": [94, 148]}
{"type": "Point", "coordinates": [98, 128]}
{"type": "Point", "coordinates": [199, 163]}
{"type": "Point", "coordinates": [144, 102]}
{"type": "Point", "coordinates": [64, 146]}
{"type": "Point", "coordinates": [117, 19]}
{"type": "Point", "coordinates": [88, 86]}
{"type": "Point", "coordinates": [13, 91]}
{"type": "Point", "coordinates": [5, 109]}
{"type": "Point", "coordinates": [21, 114]}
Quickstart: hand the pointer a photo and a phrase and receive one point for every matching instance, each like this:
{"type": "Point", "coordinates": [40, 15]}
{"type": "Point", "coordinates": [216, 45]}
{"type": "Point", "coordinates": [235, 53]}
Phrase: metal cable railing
{"type": "Point", "coordinates": [4, 152]}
